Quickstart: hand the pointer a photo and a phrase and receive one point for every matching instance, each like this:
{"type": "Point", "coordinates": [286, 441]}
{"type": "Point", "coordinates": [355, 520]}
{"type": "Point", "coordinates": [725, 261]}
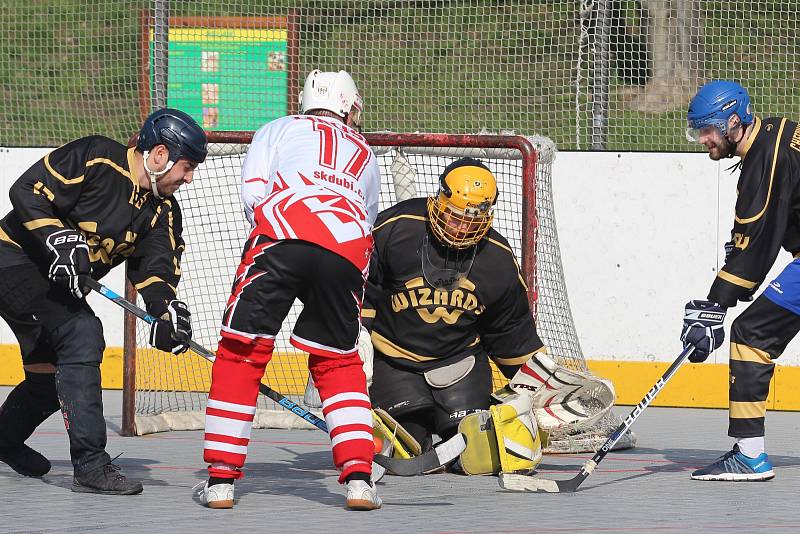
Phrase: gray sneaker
{"type": "Point", "coordinates": [106, 480]}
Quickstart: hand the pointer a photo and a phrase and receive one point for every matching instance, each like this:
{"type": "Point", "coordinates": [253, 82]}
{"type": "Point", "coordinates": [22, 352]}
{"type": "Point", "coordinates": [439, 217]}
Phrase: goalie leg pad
{"type": "Point", "coordinates": [504, 438]}
{"type": "Point", "coordinates": [390, 431]}
{"type": "Point", "coordinates": [518, 443]}
{"type": "Point", "coordinates": [481, 456]}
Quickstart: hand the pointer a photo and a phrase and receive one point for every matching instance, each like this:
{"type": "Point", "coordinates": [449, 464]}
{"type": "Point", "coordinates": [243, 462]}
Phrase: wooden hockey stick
{"type": "Point", "coordinates": [514, 482]}
{"type": "Point", "coordinates": [422, 462]}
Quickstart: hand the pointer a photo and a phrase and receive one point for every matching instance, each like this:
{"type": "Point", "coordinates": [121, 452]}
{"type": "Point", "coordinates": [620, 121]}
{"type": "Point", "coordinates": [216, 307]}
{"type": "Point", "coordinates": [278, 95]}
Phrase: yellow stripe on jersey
{"type": "Point", "coordinates": [4, 237]}
{"type": "Point", "coordinates": [748, 410]}
{"type": "Point", "coordinates": [753, 134]}
{"type": "Point", "coordinates": [110, 163]}
{"type": "Point", "coordinates": [735, 280]}
{"type": "Point", "coordinates": [392, 350]}
{"type": "Point", "coordinates": [514, 360]}
{"type": "Point", "coordinates": [771, 179]}
{"type": "Point", "coordinates": [519, 271]}
{"type": "Point", "coordinates": [40, 223]}
{"type": "Point", "coordinates": [743, 353]}
{"type": "Point", "coordinates": [369, 313]}
{"type": "Point", "coordinates": [387, 221]}
{"type": "Point", "coordinates": [87, 226]}
{"type": "Point", "coordinates": [67, 181]}
{"type": "Point", "coordinates": [149, 281]}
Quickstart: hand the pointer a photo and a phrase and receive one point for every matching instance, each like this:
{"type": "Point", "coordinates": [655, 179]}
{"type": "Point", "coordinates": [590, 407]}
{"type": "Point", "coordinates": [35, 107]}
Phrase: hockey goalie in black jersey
{"type": "Point", "coordinates": [444, 296]}
{"type": "Point", "coordinates": [84, 208]}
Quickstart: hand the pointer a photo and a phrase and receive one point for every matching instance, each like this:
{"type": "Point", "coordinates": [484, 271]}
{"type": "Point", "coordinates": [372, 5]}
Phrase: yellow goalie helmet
{"type": "Point", "coordinates": [462, 211]}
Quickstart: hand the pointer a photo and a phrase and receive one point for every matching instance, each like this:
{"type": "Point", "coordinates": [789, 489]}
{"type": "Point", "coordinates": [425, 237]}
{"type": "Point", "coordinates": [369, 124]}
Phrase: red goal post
{"type": "Point", "coordinates": [164, 392]}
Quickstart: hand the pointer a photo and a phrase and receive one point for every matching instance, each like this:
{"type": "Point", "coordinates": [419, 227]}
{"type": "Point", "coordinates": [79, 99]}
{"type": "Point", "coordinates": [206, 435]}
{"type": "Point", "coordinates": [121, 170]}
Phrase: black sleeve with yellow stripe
{"type": "Point", "coordinates": [47, 192]}
{"type": "Point", "coordinates": [374, 287]}
{"type": "Point", "coordinates": [507, 330]}
{"type": "Point", "coordinates": [155, 267]}
{"type": "Point", "coordinates": [763, 210]}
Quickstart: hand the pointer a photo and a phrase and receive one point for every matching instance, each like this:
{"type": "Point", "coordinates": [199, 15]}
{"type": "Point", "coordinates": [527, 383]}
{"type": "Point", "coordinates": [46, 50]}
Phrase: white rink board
{"type": "Point", "coordinates": [640, 235]}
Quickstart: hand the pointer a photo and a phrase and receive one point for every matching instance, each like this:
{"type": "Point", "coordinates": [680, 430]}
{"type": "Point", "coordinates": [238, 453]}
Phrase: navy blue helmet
{"type": "Point", "coordinates": [714, 104]}
{"type": "Point", "coordinates": [181, 134]}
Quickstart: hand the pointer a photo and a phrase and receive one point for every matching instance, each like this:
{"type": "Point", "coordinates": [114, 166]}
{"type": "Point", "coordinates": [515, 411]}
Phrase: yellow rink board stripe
{"type": "Point", "coordinates": [695, 385]}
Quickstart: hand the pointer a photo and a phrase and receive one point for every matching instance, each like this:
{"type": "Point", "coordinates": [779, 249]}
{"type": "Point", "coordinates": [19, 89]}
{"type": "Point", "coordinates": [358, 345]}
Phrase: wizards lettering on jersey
{"type": "Point", "coordinates": [447, 305]}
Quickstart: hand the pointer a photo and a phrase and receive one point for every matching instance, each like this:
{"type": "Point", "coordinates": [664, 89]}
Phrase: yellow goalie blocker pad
{"type": "Point", "coordinates": [504, 439]}
{"type": "Point", "coordinates": [397, 441]}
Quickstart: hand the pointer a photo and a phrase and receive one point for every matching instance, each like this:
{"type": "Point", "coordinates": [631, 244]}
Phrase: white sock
{"type": "Point", "coordinates": [751, 447]}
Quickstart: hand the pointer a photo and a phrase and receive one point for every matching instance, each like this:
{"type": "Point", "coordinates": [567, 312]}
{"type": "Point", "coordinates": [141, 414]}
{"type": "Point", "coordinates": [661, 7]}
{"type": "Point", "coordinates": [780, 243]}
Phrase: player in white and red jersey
{"type": "Point", "coordinates": [310, 189]}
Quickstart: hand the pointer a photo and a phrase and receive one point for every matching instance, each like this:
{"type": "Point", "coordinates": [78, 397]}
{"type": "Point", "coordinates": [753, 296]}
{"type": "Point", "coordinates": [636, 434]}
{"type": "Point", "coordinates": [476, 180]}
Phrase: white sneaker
{"type": "Point", "coordinates": [216, 496]}
{"type": "Point", "coordinates": [362, 496]}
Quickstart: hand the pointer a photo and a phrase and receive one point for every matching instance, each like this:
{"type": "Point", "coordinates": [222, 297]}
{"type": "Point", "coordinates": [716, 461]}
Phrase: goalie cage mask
{"type": "Point", "coordinates": [461, 213]}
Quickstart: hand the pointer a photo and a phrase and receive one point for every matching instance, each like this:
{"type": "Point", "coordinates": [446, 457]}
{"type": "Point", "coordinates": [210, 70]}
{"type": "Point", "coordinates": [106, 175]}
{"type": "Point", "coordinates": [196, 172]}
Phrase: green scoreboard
{"type": "Point", "coordinates": [228, 77]}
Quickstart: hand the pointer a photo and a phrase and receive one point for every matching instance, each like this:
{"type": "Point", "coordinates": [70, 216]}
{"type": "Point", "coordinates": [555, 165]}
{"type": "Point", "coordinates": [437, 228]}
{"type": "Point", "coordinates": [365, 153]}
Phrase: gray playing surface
{"type": "Point", "coordinates": [291, 487]}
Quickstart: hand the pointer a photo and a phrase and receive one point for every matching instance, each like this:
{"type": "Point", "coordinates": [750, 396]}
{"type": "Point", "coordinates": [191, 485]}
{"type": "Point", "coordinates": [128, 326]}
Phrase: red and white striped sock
{"type": "Point", "coordinates": [346, 406]}
{"type": "Point", "coordinates": [231, 405]}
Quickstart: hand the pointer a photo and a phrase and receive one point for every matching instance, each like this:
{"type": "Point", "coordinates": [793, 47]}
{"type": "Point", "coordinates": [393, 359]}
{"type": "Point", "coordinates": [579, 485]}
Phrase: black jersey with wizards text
{"type": "Point", "coordinates": [90, 185]}
{"type": "Point", "coordinates": [767, 209]}
{"type": "Point", "coordinates": [418, 326]}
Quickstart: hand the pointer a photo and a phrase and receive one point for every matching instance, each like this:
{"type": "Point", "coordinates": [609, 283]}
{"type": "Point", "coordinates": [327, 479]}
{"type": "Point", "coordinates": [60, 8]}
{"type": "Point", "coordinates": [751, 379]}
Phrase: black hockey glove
{"type": "Point", "coordinates": [69, 260]}
{"type": "Point", "coordinates": [702, 328]}
{"type": "Point", "coordinates": [171, 332]}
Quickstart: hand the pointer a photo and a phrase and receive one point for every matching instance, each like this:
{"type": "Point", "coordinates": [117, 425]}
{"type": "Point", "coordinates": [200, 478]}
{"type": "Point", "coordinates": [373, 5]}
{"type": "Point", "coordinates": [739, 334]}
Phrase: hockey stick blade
{"type": "Point", "coordinates": [516, 482]}
{"type": "Point", "coordinates": [435, 458]}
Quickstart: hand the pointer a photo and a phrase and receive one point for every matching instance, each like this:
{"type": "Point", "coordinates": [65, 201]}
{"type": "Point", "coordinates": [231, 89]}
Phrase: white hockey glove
{"type": "Point", "coordinates": [69, 260]}
{"type": "Point", "coordinates": [173, 331]}
{"type": "Point", "coordinates": [366, 352]}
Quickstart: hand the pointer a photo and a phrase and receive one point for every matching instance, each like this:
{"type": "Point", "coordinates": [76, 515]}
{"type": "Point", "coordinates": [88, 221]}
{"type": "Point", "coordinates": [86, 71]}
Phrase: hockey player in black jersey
{"type": "Point", "coordinates": [79, 211]}
{"type": "Point", "coordinates": [444, 296]}
{"type": "Point", "coordinates": [767, 217]}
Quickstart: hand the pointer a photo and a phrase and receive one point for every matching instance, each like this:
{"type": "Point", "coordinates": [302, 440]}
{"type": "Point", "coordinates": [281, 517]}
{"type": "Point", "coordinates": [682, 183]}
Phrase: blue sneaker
{"type": "Point", "coordinates": [734, 466]}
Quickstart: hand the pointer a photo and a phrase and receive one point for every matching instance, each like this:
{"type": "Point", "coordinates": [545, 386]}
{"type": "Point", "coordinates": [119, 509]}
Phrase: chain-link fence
{"type": "Point", "coordinates": [590, 74]}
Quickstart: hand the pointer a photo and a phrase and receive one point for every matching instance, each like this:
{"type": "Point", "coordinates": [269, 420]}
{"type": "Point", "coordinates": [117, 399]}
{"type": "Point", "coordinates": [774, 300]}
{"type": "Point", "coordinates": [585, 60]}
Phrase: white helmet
{"type": "Point", "coordinates": [334, 91]}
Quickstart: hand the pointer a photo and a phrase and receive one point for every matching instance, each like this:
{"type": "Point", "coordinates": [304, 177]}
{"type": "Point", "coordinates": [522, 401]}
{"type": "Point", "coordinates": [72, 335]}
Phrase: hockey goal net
{"type": "Point", "coordinates": [167, 392]}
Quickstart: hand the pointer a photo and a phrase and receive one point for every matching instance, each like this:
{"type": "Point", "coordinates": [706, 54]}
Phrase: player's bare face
{"type": "Point", "coordinates": [717, 145]}
{"type": "Point", "coordinates": [180, 173]}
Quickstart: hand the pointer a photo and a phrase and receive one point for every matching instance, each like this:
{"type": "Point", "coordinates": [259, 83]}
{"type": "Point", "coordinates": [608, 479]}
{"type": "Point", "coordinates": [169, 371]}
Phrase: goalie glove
{"type": "Point", "coordinates": [561, 396]}
{"type": "Point", "coordinates": [173, 331]}
{"type": "Point", "coordinates": [69, 260]}
{"type": "Point", "coordinates": [703, 328]}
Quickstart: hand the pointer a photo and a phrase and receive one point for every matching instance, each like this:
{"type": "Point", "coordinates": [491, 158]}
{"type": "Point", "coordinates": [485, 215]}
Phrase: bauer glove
{"type": "Point", "coordinates": [703, 328]}
{"type": "Point", "coordinates": [173, 331]}
{"type": "Point", "coordinates": [69, 260]}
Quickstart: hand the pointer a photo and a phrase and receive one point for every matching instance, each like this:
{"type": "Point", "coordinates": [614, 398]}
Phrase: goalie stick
{"type": "Point", "coordinates": [515, 482]}
{"type": "Point", "coordinates": [423, 461]}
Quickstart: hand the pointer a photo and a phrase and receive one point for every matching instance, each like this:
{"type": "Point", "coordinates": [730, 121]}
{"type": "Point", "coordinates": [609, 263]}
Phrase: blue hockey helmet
{"type": "Point", "coordinates": [714, 104]}
{"type": "Point", "coordinates": [178, 131]}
